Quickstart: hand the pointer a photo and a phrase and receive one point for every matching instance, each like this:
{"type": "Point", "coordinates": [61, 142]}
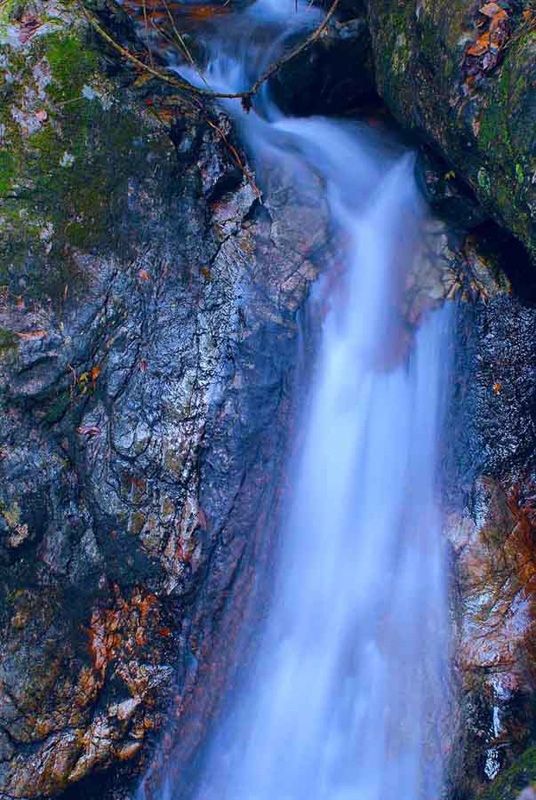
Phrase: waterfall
{"type": "Point", "coordinates": [345, 700]}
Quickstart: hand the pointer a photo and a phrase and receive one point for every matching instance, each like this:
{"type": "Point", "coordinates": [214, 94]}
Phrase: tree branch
{"type": "Point", "coordinates": [246, 96]}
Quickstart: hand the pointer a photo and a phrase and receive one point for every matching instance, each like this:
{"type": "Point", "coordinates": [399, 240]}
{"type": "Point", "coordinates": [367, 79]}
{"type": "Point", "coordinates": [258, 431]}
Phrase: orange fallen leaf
{"type": "Point", "coordinates": [143, 275]}
{"type": "Point", "coordinates": [497, 19]}
{"type": "Point", "coordinates": [497, 388]}
{"type": "Point", "coordinates": [95, 372]}
{"type": "Point", "coordinates": [31, 335]}
{"type": "Point", "coordinates": [143, 365]}
{"type": "Point", "coordinates": [481, 46]}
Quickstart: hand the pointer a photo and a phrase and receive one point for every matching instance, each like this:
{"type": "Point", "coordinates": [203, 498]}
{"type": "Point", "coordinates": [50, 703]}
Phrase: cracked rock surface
{"type": "Point", "coordinates": [147, 333]}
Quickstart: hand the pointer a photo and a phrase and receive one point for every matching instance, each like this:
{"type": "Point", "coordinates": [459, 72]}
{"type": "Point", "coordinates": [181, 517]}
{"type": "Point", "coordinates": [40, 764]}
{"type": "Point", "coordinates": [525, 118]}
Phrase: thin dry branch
{"type": "Point", "coordinates": [245, 171]}
{"type": "Point", "coordinates": [246, 96]}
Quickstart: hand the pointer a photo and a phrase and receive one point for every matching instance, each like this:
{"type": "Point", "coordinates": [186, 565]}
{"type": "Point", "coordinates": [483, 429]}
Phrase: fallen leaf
{"type": "Point", "coordinates": [143, 365]}
{"type": "Point", "coordinates": [497, 388]}
{"type": "Point", "coordinates": [28, 26]}
{"type": "Point", "coordinates": [88, 430]}
{"type": "Point", "coordinates": [31, 335]}
{"type": "Point", "coordinates": [481, 46]}
{"type": "Point", "coordinates": [497, 19]}
{"type": "Point", "coordinates": [142, 78]}
{"type": "Point", "coordinates": [490, 9]}
{"type": "Point", "coordinates": [95, 372]}
{"type": "Point", "coordinates": [143, 275]}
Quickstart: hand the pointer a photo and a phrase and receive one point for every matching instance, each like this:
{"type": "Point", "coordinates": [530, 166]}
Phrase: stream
{"type": "Point", "coordinates": [345, 700]}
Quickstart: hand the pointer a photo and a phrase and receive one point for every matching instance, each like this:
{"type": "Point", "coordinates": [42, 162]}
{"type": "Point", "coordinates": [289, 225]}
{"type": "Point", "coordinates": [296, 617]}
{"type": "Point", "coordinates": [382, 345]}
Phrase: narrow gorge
{"type": "Point", "coordinates": [267, 400]}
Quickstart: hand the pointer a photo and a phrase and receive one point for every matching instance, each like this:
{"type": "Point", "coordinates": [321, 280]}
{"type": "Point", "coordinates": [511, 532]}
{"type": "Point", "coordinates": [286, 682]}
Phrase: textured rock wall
{"type": "Point", "coordinates": [147, 335]}
{"type": "Point", "coordinates": [459, 75]}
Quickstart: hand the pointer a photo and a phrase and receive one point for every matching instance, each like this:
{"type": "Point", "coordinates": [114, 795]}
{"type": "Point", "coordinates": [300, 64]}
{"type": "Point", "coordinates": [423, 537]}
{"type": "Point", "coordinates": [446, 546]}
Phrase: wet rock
{"type": "Point", "coordinates": [147, 340]}
{"type": "Point", "coordinates": [491, 528]}
{"type": "Point", "coordinates": [460, 77]}
{"type": "Point", "coordinates": [333, 76]}
{"type": "Point", "coordinates": [528, 794]}
{"type": "Point", "coordinates": [446, 195]}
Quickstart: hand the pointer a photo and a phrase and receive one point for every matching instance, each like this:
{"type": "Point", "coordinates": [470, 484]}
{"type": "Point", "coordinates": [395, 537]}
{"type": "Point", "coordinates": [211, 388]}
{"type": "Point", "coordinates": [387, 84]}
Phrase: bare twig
{"type": "Point", "coordinates": [146, 22]}
{"type": "Point", "coordinates": [246, 96]}
{"type": "Point", "coordinates": [234, 152]}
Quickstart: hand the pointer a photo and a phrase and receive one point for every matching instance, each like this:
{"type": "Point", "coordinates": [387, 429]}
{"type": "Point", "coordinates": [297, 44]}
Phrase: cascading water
{"type": "Point", "coordinates": [345, 702]}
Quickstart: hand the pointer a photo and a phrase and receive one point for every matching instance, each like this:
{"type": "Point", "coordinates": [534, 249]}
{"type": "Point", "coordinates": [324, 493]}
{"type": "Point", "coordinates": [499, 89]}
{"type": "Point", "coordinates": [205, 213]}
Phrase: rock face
{"type": "Point", "coordinates": [147, 332]}
{"type": "Point", "coordinates": [460, 75]}
{"type": "Point", "coordinates": [491, 527]}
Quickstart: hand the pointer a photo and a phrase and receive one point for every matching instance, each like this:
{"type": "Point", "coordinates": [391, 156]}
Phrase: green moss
{"type": "Point", "coordinates": [511, 782]}
{"type": "Point", "coordinates": [64, 187]}
{"type": "Point", "coordinates": [72, 62]}
{"type": "Point", "coordinates": [6, 12]}
{"type": "Point", "coordinates": [484, 180]}
{"type": "Point", "coordinates": [519, 173]}
{"type": "Point", "coordinates": [58, 408]}
{"type": "Point", "coordinates": [8, 342]}
{"type": "Point", "coordinates": [6, 172]}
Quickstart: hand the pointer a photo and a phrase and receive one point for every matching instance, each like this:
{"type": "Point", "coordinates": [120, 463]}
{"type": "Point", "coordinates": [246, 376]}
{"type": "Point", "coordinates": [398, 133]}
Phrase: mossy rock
{"type": "Point", "coordinates": [71, 140]}
{"type": "Point", "coordinates": [481, 120]}
{"type": "Point", "coordinates": [511, 782]}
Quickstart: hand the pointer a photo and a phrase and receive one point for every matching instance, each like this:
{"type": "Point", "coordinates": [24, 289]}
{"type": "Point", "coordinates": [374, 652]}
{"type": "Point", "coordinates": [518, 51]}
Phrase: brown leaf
{"type": "Point", "coordinates": [143, 275]}
{"type": "Point", "coordinates": [143, 365]}
{"type": "Point", "coordinates": [31, 335]}
{"type": "Point", "coordinates": [28, 26]}
{"type": "Point", "coordinates": [88, 430]}
{"type": "Point", "coordinates": [497, 388]}
{"type": "Point", "coordinates": [490, 9]}
{"type": "Point", "coordinates": [95, 372]}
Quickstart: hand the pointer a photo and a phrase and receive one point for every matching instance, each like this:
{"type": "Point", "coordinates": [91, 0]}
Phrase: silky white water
{"type": "Point", "coordinates": [345, 702]}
